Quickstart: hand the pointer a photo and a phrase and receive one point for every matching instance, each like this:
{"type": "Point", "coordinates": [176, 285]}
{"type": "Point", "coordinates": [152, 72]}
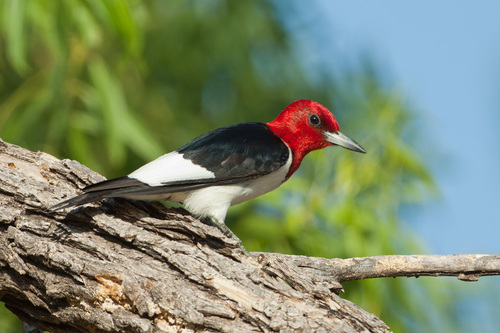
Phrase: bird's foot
{"type": "Point", "coordinates": [228, 233]}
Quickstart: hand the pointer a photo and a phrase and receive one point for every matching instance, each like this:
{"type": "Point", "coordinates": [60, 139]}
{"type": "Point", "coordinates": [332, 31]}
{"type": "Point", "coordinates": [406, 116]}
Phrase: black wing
{"type": "Point", "coordinates": [237, 152]}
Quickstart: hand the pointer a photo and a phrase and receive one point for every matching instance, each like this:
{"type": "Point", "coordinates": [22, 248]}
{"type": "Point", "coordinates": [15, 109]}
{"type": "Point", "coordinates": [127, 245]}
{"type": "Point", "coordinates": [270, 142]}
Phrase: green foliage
{"type": "Point", "coordinates": [114, 84]}
{"type": "Point", "coordinates": [59, 95]}
{"type": "Point", "coordinates": [8, 322]}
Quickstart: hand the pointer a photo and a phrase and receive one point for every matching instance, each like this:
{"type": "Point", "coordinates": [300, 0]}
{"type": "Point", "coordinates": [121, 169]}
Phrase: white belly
{"type": "Point", "coordinates": [214, 201]}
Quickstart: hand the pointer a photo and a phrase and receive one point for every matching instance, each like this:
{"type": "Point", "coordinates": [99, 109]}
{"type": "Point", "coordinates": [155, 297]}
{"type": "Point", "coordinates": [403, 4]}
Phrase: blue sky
{"type": "Point", "coordinates": [444, 56]}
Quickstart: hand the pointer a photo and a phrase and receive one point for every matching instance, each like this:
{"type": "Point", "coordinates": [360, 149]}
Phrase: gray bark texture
{"type": "Point", "coordinates": [132, 266]}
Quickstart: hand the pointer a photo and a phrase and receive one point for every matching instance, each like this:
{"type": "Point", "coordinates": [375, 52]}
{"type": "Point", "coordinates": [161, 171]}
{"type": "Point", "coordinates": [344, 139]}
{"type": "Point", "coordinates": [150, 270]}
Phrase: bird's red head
{"type": "Point", "coordinates": [305, 126]}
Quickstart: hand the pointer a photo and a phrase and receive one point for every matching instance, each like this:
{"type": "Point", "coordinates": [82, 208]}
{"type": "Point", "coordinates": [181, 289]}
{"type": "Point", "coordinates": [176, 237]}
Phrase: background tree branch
{"type": "Point", "coordinates": [133, 266]}
{"type": "Point", "coordinates": [467, 267]}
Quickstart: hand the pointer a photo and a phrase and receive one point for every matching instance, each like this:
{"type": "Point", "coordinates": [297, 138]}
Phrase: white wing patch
{"type": "Point", "coordinates": [170, 167]}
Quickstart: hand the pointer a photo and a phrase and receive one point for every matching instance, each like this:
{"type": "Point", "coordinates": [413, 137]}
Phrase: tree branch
{"type": "Point", "coordinates": [133, 266]}
{"type": "Point", "coordinates": [467, 267]}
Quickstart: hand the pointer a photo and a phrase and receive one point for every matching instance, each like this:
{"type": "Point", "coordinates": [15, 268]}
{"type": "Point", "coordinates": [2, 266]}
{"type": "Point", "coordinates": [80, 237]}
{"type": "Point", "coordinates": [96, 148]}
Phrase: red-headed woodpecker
{"type": "Point", "coordinates": [228, 165]}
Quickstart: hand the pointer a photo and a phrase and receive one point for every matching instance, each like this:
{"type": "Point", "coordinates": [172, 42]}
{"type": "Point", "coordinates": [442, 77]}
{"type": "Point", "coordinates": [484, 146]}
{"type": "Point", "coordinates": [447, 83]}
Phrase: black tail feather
{"type": "Point", "coordinates": [115, 184]}
{"type": "Point", "coordinates": [98, 191]}
{"type": "Point", "coordinates": [79, 200]}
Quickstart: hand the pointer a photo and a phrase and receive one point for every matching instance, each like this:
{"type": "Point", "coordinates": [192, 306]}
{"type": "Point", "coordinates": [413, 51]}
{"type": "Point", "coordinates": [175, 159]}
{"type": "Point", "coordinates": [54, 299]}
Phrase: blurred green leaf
{"type": "Point", "coordinates": [13, 18]}
{"type": "Point", "coordinates": [8, 323]}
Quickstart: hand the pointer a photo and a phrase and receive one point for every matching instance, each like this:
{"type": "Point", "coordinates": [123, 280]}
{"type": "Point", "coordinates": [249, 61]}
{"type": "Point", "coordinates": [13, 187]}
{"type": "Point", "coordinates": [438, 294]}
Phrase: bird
{"type": "Point", "coordinates": [228, 165]}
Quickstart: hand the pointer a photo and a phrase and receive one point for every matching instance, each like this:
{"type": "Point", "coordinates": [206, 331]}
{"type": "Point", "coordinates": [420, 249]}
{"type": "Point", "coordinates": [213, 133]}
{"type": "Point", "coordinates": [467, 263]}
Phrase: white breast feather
{"type": "Point", "coordinates": [214, 201]}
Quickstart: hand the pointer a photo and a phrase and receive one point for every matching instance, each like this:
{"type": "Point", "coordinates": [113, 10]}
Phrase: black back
{"type": "Point", "coordinates": [245, 150]}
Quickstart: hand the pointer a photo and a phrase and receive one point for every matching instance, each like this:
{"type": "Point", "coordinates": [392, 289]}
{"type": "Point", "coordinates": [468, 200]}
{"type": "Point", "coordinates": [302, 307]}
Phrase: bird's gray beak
{"type": "Point", "coordinates": [344, 141]}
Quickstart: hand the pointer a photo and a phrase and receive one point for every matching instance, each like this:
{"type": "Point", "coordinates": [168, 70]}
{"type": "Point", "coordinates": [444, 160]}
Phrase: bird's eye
{"type": "Point", "coordinates": [314, 120]}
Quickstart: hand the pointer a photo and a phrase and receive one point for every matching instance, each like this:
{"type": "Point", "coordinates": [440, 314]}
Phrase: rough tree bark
{"type": "Point", "coordinates": [131, 266]}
